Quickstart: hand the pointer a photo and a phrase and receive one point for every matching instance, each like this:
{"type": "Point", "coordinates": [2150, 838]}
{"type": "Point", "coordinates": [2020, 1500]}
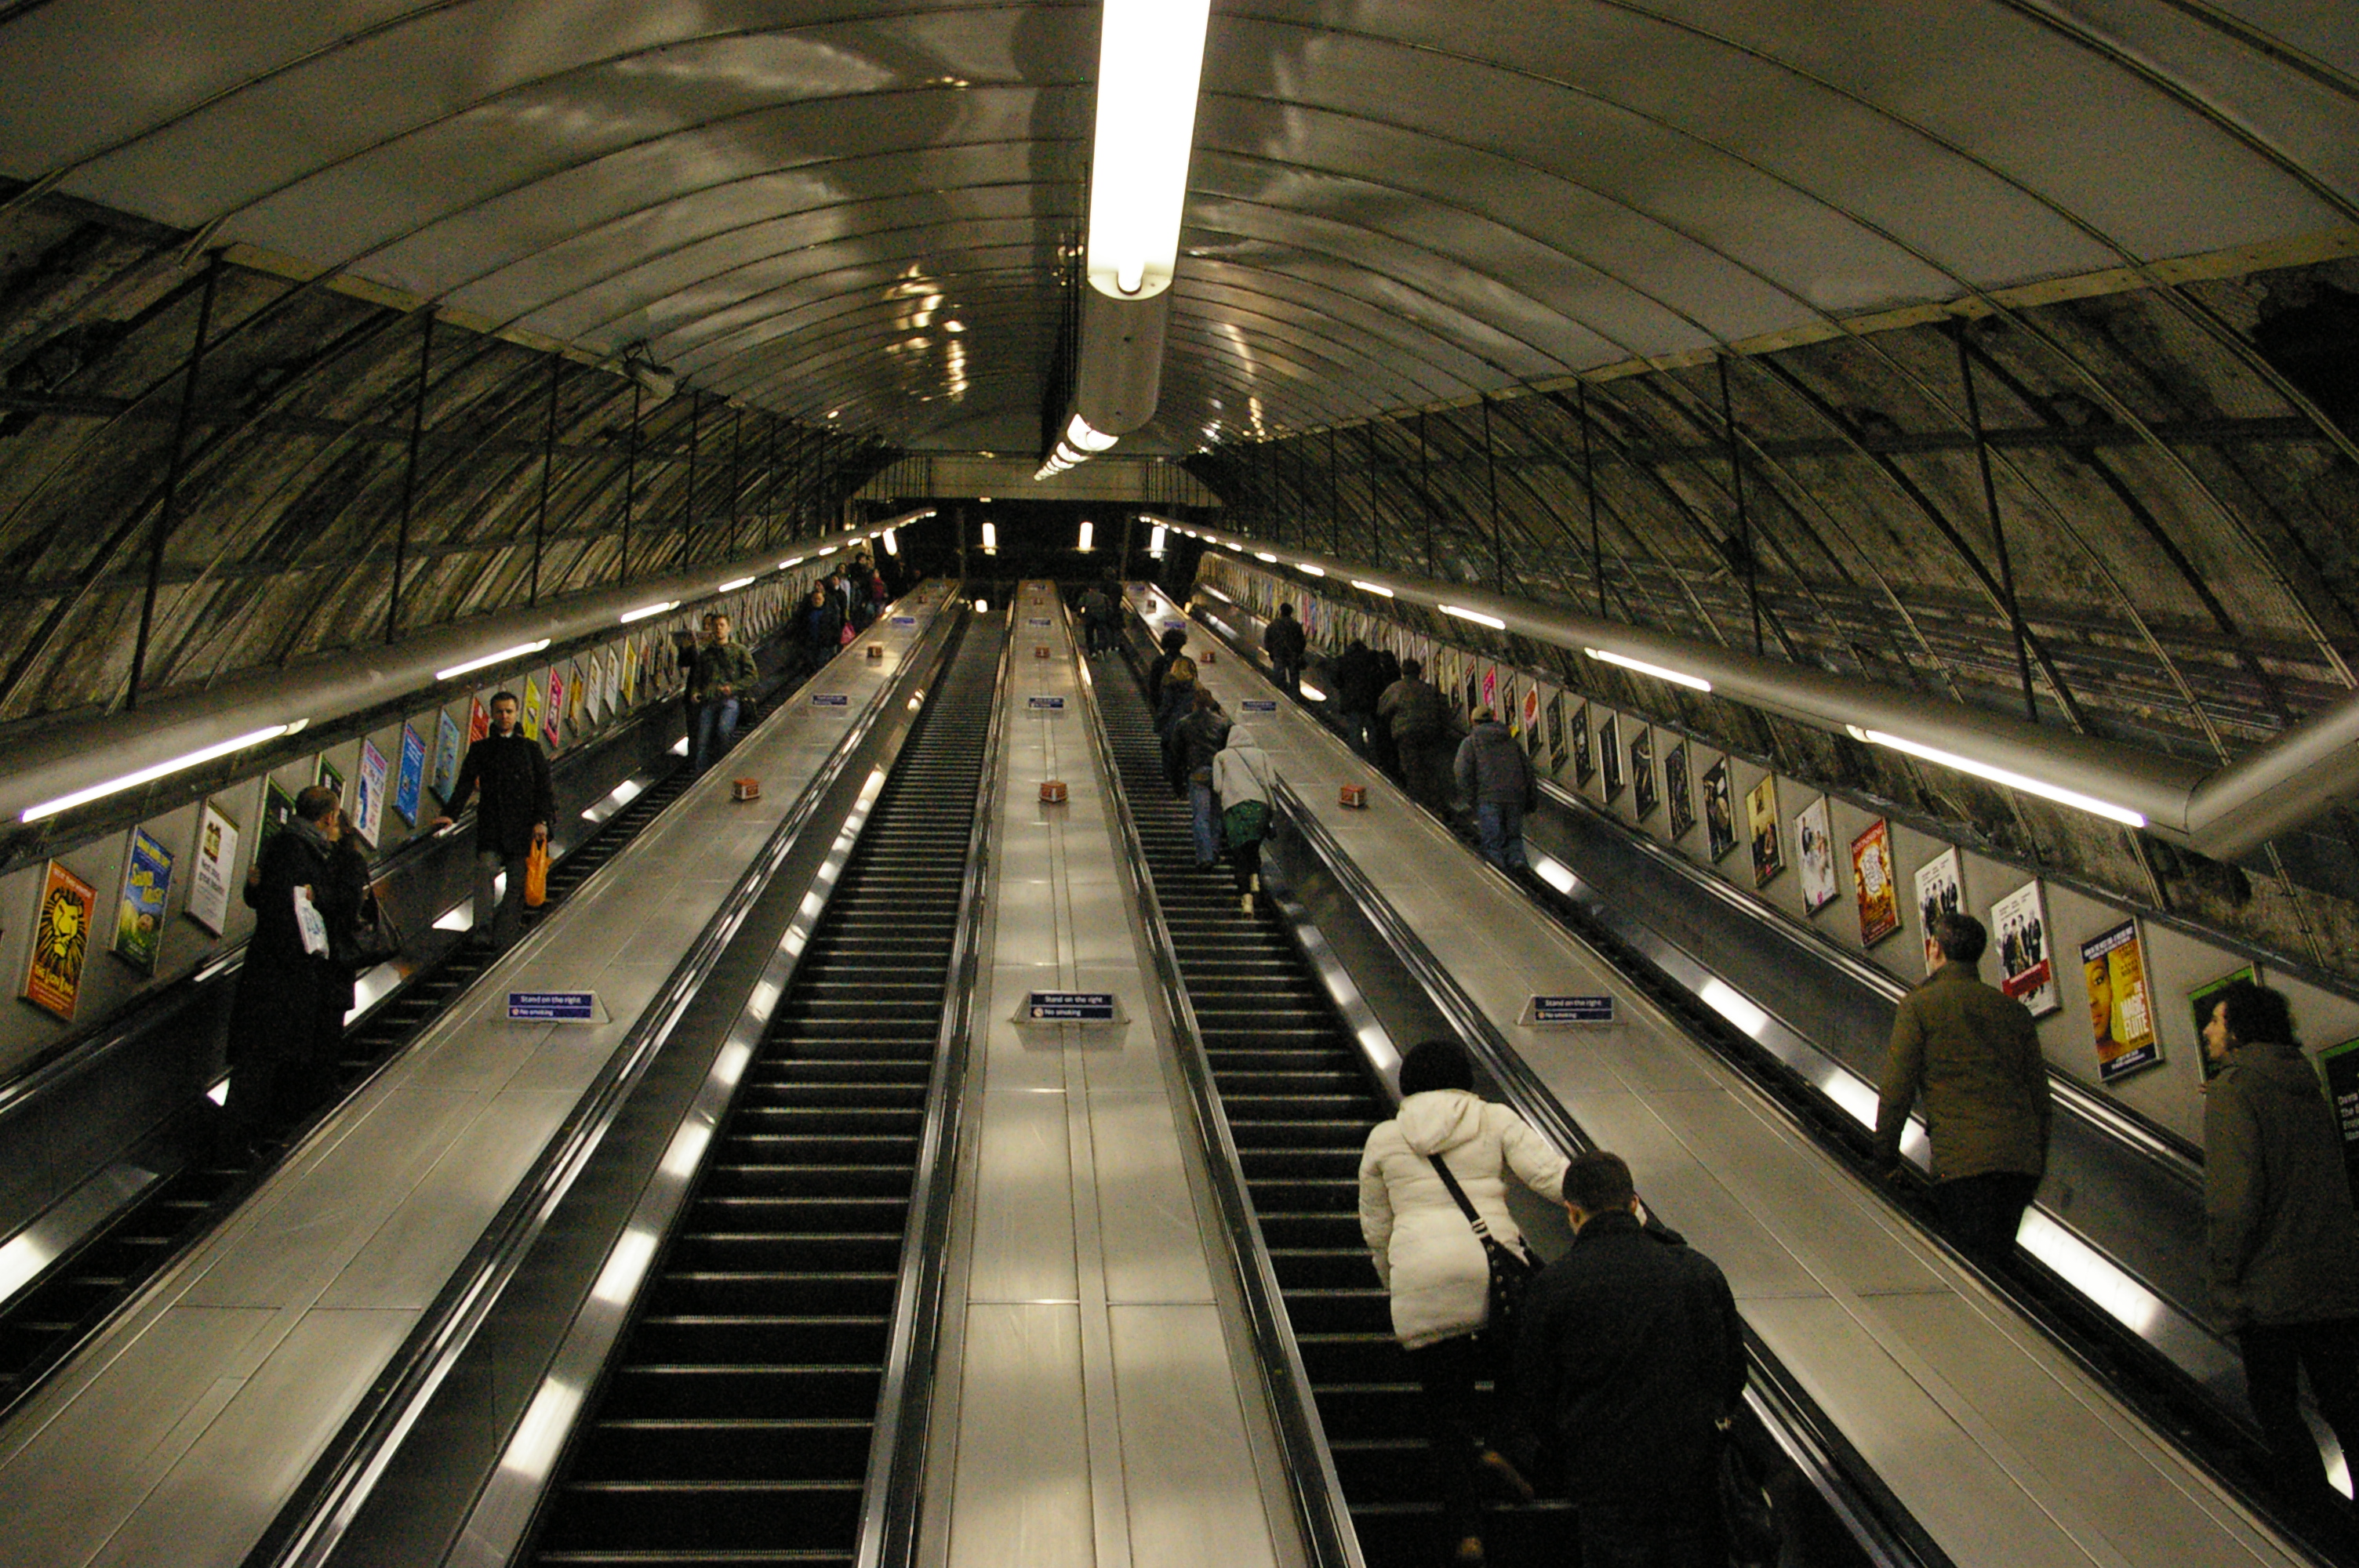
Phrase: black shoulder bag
{"type": "Point", "coordinates": [1511, 1274]}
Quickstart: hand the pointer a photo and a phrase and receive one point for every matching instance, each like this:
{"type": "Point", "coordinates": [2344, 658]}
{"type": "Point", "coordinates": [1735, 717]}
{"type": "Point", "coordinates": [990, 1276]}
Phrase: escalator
{"type": "Point", "coordinates": [1301, 1103]}
{"type": "Point", "coordinates": [735, 1417]}
{"type": "Point", "coordinates": [42, 1325]}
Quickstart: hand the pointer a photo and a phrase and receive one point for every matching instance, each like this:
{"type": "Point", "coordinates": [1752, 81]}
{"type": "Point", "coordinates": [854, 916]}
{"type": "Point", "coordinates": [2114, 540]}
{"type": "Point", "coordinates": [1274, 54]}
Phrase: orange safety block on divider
{"type": "Point", "coordinates": [1355, 796]}
{"type": "Point", "coordinates": [1052, 791]}
{"type": "Point", "coordinates": [1039, 653]}
{"type": "Point", "coordinates": [876, 650]}
{"type": "Point", "coordinates": [1207, 657]}
{"type": "Point", "coordinates": [745, 789]}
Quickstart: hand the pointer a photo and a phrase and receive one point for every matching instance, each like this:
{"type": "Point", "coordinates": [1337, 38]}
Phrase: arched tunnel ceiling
{"type": "Point", "coordinates": [793, 201]}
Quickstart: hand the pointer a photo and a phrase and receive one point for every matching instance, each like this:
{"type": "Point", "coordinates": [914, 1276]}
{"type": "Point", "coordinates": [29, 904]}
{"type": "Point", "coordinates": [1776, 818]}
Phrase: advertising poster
{"type": "Point", "coordinates": [1940, 890]}
{"type": "Point", "coordinates": [1643, 793]}
{"type": "Point", "coordinates": [2202, 1002]}
{"type": "Point", "coordinates": [1871, 879]}
{"type": "Point", "coordinates": [1491, 690]}
{"type": "Point", "coordinates": [446, 753]}
{"type": "Point", "coordinates": [216, 866]}
{"type": "Point", "coordinates": [1533, 739]}
{"type": "Point", "coordinates": [1815, 845]}
{"type": "Point", "coordinates": [1719, 810]}
{"type": "Point", "coordinates": [139, 918]}
{"type": "Point", "coordinates": [2341, 1065]}
{"type": "Point", "coordinates": [1678, 789]}
{"type": "Point", "coordinates": [631, 674]}
{"type": "Point", "coordinates": [1584, 762]}
{"type": "Point", "coordinates": [1556, 731]}
{"type": "Point", "coordinates": [479, 719]}
{"type": "Point", "coordinates": [2121, 1009]}
{"type": "Point", "coordinates": [2025, 971]}
{"type": "Point", "coordinates": [277, 808]}
{"type": "Point", "coordinates": [329, 776]}
{"type": "Point", "coordinates": [529, 719]}
{"type": "Point", "coordinates": [552, 722]}
{"type": "Point", "coordinates": [1609, 747]}
{"type": "Point", "coordinates": [60, 942]}
{"type": "Point", "coordinates": [368, 793]}
{"type": "Point", "coordinates": [1761, 818]}
{"type": "Point", "coordinates": [1474, 696]}
{"type": "Point", "coordinates": [575, 699]}
{"type": "Point", "coordinates": [411, 779]}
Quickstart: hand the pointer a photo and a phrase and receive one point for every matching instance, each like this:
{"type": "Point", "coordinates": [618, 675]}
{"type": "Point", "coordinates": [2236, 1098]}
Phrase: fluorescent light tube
{"type": "Point", "coordinates": [2058, 792]}
{"type": "Point", "coordinates": [1376, 587]}
{"type": "Point", "coordinates": [1084, 437]}
{"type": "Point", "coordinates": [790, 561]}
{"type": "Point", "coordinates": [519, 651]}
{"type": "Point", "coordinates": [1088, 531]}
{"type": "Point", "coordinates": [892, 545]}
{"type": "Point", "coordinates": [1155, 541]}
{"type": "Point", "coordinates": [1676, 677]}
{"type": "Point", "coordinates": [1216, 593]}
{"type": "Point", "coordinates": [1264, 556]}
{"type": "Point", "coordinates": [733, 584]}
{"type": "Point", "coordinates": [644, 611]}
{"type": "Point", "coordinates": [991, 535]}
{"type": "Point", "coordinates": [1313, 692]}
{"type": "Point", "coordinates": [156, 770]}
{"type": "Point", "coordinates": [1476, 616]}
{"type": "Point", "coordinates": [1150, 56]}
{"type": "Point", "coordinates": [1306, 569]}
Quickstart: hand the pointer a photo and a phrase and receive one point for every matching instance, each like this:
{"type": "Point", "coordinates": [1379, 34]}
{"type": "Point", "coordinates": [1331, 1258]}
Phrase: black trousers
{"type": "Point", "coordinates": [2276, 1354]}
{"type": "Point", "coordinates": [1980, 1214]}
{"type": "Point", "coordinates": [1612, 1537]}
{"type": "Point", "coordinates": [1446, 1371]}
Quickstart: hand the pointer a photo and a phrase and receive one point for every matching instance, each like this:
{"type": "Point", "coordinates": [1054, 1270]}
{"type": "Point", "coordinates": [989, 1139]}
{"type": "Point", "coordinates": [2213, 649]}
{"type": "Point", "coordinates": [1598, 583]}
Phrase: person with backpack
{"type": "Point", "coordinates": [1198, 738]}
{"type": "Point", "coordinates": [1242, 776]}
{"type": "Point", "coordinates": [1447, 1151]}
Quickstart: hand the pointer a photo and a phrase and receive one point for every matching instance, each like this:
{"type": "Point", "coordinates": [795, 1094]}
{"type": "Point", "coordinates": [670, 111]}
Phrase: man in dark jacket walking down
{"type": "Point", "coordinates": [1493, 772]}
{"type": "Point", "coordinates": [1630, 1356]}
{"type": "Point", "coordinates": [292, 995]}
{"type": "Point", "coordinates": [1282, 641]}
{"type": "Point", "coordinates": [1198, 738]}
{"type": "Point", "coordinates": [1973, 1055]}
{"type": "Point", "coordinates": [725, 671]}
{"type": "Point", "coordinates": [514, 815]}
{"type": "Point", "coordinates": [1419, 721]}
{"type": "Point", "coordinates": [1357, 691]}
{"type": "Point", "coordinates": [1098, 620]}
{"type": "Point", "coordinates": [2283, 1238]}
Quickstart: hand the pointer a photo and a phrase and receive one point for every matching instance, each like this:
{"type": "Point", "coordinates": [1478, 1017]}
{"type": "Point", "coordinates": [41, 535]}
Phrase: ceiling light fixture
{"type": "Point", "coordinates": [157, 771]}
{"type": "Point", "coordinates": [1998, 775]}
{"type": "Point", "coordinates": [1155, 541]}
{"type": "Point", "coordinates": [1476, 616]}
{"type": "Point", "coordinates": [644, 611]}
{"type": "Point", "coordinates": [1085, 439]}
{"type": "Point", "coordinates": [1376, 587]}
{"type": "Point", "coordinates": [1309, 570]}
{"type": "Point", "coordinates": [733, 584]}
{"type": "Point", "coordinates": [1676, 677]}
{"type": "Point", "coordinates": [503, 656]}
{"type": "Point", "coordinates": [1151, 57]}
{"type": "Point", "coordinates": [892, 545]}
{"type": "Point", "coordinates": [1088, 532]}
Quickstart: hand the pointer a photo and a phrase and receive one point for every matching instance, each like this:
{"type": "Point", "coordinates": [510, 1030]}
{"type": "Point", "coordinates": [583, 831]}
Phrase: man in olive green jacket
{"type": "Point", "coordinates": [2283, 1237]}
{"type": "Point", "coordinates": [1975, 1057]}
{"type": "Point", "coordinates": [723, 673]}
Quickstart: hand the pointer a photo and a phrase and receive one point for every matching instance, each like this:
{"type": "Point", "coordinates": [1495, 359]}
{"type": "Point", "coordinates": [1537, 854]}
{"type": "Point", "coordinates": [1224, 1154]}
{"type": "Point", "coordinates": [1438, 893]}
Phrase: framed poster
{"type": "Point", "coordinates": [2341, 1066]}
{"type": "Point", "coordinates": [1940, 890]}
{"type": "Point", "coordinates": [1609, 747]}
{"type": "Point", "coordinates": [215, 869]}
{"type": "Point", "coordinates": [552, 723]}
{"type": "Point", "coordinates": [1871, 878]}
{"type": "Point", "coordinates": [576, 699]}
{"type": "Point", "coordinates": [1490, 698]}
{"type": "Point", "coordinates": [368, 793]}
{"type": "Point", "coordinates": [1761, 818]}
{"type": "Point", "coordinates": [1719, 810]}
{"type": "Point", "coordinates": [529, 719]}
{"type": "Point", "coordinates": [330, 777]}
{"type": "Point", "coordinates": [1644, 794]}
{"type": "Point", "coordinates": [2025, 972]}
{"type": "Point", "coordinates": [2203, 1000]}
{"type": "Point", "coordinates": [1679, 790]}
{"type": "Point", "coordinates": [60, 942]}
{"type": "Point", "coordinates": [277, 810]}
{"type": "Point", "coordinates": [411, 779]}
{"type": "Point", "coordinates": [1584, 762]}
{"type": "Point", "coordinates": [1815, 848]}
{"type": "Point", "coordinates": [1474, 696]}
{"type": "Point", "coordinates": [2121, 1008]}
{"type": "Point", "coordinates": [139, 915]}
{"type": "Point", "coordinates": [1556, 731]}
{"type": "Point", "coordinates": [446, 753]}
{"type": "Point", "coordinates": [1533, 738]}
{"type": "Point", "coordinates": [479, 719]}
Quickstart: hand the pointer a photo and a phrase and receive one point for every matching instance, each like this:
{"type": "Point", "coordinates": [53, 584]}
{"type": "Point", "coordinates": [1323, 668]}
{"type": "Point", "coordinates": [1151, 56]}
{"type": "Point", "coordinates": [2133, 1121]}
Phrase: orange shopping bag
{"type": "Point", "coordinates": [536, 874]}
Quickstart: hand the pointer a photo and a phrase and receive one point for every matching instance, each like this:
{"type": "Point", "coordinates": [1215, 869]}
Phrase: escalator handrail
{"type": "Point", "coordinates": [1317, 1489]}
{"type": "Point", "coordinates": [891, 1498]}
{"type": "Point", "coordinates": [309, 1524]}
{"type": "Point", "coordinates": [1883, 1526]}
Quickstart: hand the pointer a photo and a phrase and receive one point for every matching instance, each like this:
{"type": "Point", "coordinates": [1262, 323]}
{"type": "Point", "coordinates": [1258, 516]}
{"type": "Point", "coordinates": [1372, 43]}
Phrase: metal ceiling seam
{"type": "Point", "coordinates": [2261, 42]}
{"type": "Point", "coordinates": [1299, 336]}
{"type": "Point", "coordinates": [1206, 287]}
{"type": "Point", "coordinates": [848, 312]}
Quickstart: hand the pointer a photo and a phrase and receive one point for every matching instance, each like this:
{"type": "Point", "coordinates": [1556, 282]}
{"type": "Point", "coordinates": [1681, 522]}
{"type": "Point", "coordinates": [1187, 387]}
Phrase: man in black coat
{"type": "Point", "coordinates": [1357, 691]}
{"type": "Point", "coordinates": [291, 994]}
{"type": "Point", "coordinates": [514, 815]}
{"type": "Point", "coordinates": [1282, 641]}
{"type": "Point", "coordinates": [1630, 1356]}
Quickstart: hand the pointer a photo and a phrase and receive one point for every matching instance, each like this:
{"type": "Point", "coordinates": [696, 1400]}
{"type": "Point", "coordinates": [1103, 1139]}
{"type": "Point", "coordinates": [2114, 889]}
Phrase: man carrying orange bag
{"type": "Point", "coordinates": [512, 824]}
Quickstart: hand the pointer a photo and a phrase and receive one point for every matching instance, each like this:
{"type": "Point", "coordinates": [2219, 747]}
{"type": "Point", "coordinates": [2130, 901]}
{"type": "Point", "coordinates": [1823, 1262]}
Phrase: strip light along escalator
{"type": "Point", "coordinates": [43, 1325]}
{"type": "Point", "coordinates": [1299, 1104]}
{"type": "Point", "coordinates": [736, 1416]}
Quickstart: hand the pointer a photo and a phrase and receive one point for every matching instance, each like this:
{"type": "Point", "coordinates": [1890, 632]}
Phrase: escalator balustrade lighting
{"type": "Point", "coordinates": [1998, 775]}
{"type": "Point", "coordinates": [159, 770]}
{"type": "Point", "coordinates": [503, 656]}
{"type": "Point", "coordinates": [1676, 677]}
{"type": "Point", "coordinates": [1150, 56]}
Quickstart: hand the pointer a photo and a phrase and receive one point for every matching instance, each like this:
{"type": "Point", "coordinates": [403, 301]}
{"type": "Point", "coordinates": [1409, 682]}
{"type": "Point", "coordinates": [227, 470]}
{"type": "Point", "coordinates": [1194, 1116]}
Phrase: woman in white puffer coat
{"type": "Point", "coordinates": [1432, 1264]}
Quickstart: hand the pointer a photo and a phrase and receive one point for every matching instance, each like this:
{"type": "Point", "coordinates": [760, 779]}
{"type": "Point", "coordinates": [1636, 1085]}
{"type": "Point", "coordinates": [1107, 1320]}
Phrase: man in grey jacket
{"type": "Point", "coordinates": [1975, 1057]}
{"type": "Point", "coordinates": [1493, 772]}
{"type": "Point", "coordinates": [2283, 1238]}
